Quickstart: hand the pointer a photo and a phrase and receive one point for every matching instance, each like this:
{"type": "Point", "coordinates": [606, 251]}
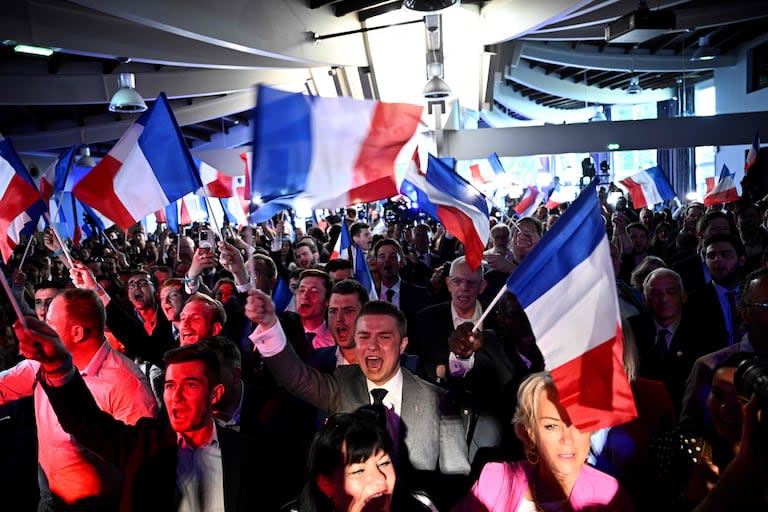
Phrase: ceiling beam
{"type": "Point", "coordinates": [684, 132]}
{"type": "Point", "coordinates": [578, 91]}
{"type": "Point", "coordinates": [50, 23]}
{"type": "Point", "coordinates": [73, 89]}
{"type": "Point", "coordinates": [200, 111]}
{"type": "Point", "coordinates": [270, 28]}
{"type": "Point", "coordinates": [591, 58]}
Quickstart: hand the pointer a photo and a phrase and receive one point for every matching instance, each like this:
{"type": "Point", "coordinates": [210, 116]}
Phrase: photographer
{"type": "Point", "coordinates": [743, 484]}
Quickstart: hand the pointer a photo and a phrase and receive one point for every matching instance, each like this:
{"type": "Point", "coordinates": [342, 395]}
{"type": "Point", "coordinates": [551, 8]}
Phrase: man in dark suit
{"type": "Point", "coordinates": [714, 304]}
{"type": "Point", "coordinates": [421, 261]}
{"type": "Point", "coordinates": [160, 458]}
{"type": "Point", "coordinates": [410, 298]}
{"type": "Point", "coordinates": [347, 299]}
{"type": "Point", "coordinates": [668, 339]}
{"type": "Point", "coordinates": [426, 428]}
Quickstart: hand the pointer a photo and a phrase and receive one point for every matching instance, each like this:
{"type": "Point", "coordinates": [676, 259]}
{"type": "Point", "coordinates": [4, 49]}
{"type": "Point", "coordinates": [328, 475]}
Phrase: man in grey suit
{"type": "Point", "coordinates": [428, 432]}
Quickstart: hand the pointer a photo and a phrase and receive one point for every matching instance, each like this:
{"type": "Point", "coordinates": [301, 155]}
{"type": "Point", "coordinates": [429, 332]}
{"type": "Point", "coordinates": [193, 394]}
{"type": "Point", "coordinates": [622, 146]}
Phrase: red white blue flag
{"type": "Point", "coordinates": [149, 168]}
{"type": "Point", "coordinates": [461, 208]}
{"type": "Point", "coordinates": [567, 288]}
{"type": "Point", "coordinates": [724, 191]}
{"type": "Point", "coordinates": [342, 249]}
{"type": "Point", "coordinates": [753, 150]}
{"type": "Point", "coordinates": [531, 200]}
{"type": "Point", "coordinates": [20, 202]}
{"type": "Point", "coordinates": [648, 187]}
{"type": "Point", "coordinates": [325, 152]}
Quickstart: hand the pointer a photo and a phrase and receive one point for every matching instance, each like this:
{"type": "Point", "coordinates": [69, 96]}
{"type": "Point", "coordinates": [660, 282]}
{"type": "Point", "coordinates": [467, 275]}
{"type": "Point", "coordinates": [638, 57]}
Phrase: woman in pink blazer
{"type": "Point", "coordinates": [554, 477]}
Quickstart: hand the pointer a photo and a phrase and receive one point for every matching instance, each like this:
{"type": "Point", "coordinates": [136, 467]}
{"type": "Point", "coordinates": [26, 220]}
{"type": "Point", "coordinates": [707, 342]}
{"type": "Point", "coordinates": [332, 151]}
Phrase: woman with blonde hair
{"type": "Point", "coordinates": [554, 476]}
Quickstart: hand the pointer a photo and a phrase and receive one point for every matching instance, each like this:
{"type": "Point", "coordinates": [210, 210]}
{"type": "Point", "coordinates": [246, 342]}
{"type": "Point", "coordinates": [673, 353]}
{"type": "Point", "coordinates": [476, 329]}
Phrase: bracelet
{"type": "Point", "coordinates": [58, 252]}
{"type": "Point", "coordinates": [189, 280]}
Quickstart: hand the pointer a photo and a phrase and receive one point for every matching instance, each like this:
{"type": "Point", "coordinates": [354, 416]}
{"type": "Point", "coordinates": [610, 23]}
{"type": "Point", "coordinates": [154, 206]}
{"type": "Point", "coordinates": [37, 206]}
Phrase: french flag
{"type": "Point", "coordinates": [342, 249]}
{"type": "Point", "coordinates": [20, 202]}
{"type": "Point", "coordinates": [64, 209]}
{"type": "Point", "coordinates": [216, 183]}
{"type": "Point", "coordinates": [461, 208]}
{"type": "Point", "coordinates": [557, 197]}
{"type": "Point", "coordinates": [567, 288]}
{"type": "Point", "coordinates": [754, 149]}
{"type": "Point", "coordinates": [149, 168]}
{"type": "Point", "coordinates": [414, 187]}
{"type": "Point", "coordinates": [363, 273]}
{"type": "Point", "coordinates": [183, 212]}
{"type": "Point", "coordinates": [725, 190]}
{"type": "Point", "coordinates": [477, 175]}
{"type": "Point", "coordinates": [648, 187]}
{"type": "Point", "coordinates": [495, 162]}
{"type": "Point", "coordinates": [325, 152]}
{"type": "Point", "coordinates": [531, 200]}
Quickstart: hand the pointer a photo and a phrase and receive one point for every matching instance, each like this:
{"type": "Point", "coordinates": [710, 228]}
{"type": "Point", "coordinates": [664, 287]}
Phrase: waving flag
{"type": "Point", "coordinates": [342, 249]}
{"type": "Point", "coordinates": [325, 152]}
{"type": "Point", "coordinates": [414, 187]}
{"type": "Point", "coordinates": [531, 200]}
{"type": "Point", "coordinates": [753, 150]}
{"type": "Point", "coordinates": [363, 273]}
{"type": "Point", "coordinates": [149, 168]}
{"type": "Point", "coordinates": [20, 202]}
{"type": "Point", "coordinates": [566, 287]}
{"type": "Point", "coordinates": [724, 191]}
{"type": "Point", "coordinates": [648, 187]}
{"type": "Point", "coordinates": [461, 208]}
{"type": "Point", "coordinates": [477, 175]}
{"type": "Point", "coordinates": [495, 162]}
{"type": "Point", "coordinates": [72, 218]}
{"type": "Point", "coordinates": [216, 183]}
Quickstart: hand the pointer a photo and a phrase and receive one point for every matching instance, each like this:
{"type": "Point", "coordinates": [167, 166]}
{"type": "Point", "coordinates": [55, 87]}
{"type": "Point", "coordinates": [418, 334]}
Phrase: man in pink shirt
{"type": "Point", "coordinates": [71, 476]}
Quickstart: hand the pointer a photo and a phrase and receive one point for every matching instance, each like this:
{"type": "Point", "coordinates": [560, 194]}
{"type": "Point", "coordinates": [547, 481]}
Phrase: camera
{"type": "Point", "coordinates": [752, 377]}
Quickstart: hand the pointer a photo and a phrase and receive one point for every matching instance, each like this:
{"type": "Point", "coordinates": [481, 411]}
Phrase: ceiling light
{"type": "Point", "coordinates": [428, 5]}
{"type": "Point", "coordinates": [634, 86]}
{"type": "Point", "coordinates": [86, 160]}
{"type": "Point", "coordinates": [126, 100]}
{"type": "Point", "coordinates": [599, 116]}
{"type": "Point", "coordinates": [704, 51]}
{"type": "Point", "coordinates": [436, 88]}
{"type": "Point", "coordinates": [33, 50]}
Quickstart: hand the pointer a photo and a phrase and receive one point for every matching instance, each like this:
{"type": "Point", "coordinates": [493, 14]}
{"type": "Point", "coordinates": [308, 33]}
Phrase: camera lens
{"type": "Point", "coordinates": [752, 377]}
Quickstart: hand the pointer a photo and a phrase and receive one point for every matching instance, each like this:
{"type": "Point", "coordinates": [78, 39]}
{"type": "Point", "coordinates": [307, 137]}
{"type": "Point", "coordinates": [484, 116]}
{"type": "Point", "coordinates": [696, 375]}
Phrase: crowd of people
{"type": "Point", "coordinates": [163, 371]}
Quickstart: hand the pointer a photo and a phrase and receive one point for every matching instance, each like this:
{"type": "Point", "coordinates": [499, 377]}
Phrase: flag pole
{"type": "Point", "coordinates": [26, 251]}
{"type": "Point", "coordinates": [211, 216]}
{"type": "Point", "coordinates": [62, 245]}
{"type": "Point", "coordinates": [12, 300]}
{"type": "Point", "coordinates": [488, 310]}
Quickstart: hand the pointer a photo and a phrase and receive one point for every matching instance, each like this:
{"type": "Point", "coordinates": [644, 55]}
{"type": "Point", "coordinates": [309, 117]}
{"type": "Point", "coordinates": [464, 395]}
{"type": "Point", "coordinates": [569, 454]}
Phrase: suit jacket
{"type": "Point", "coordinates": [129, 330]}
{"type": "Point", "coordinates": [413, 298]}
{"type": "Point", "coordinates": [686, 346]}
{"type": "Point", "coordinates": [147, 452]}
{"type": "Point", "coordinates": [432, 327]}
{"type": "Point", "coordinates": [704, 305]}
{"type": "Point", "coordinates": [432, 430]}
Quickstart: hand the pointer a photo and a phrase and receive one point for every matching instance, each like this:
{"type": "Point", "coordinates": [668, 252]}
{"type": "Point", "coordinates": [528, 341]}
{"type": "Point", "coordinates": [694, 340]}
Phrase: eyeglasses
{"type": "Point", "coordinates": [143, 283]}
{"type": "Point", "coordinates": [761, 305]}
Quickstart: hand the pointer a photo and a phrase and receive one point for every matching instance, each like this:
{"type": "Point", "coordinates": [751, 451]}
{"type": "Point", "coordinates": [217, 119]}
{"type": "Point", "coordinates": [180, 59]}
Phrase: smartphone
{"type": "Point", "coordinates": [206, 239]}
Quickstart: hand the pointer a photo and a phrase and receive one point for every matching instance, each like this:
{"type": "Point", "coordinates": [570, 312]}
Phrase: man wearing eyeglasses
{"type": "Point", "coordinates": [143, 329]}
{"type": "Point", "coordinates": [753, 310]}
{"type": "Point", "coordinates": [472, 364]}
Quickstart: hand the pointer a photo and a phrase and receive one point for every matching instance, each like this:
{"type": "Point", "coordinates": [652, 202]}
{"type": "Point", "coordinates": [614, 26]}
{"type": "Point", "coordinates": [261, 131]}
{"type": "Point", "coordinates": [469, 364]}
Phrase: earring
{"type": "Point", "coordinates": [532, 455]}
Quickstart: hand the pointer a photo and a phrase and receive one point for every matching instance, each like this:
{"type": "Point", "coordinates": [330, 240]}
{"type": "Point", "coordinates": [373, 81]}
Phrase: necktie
{"type": "Point", "coordinates": [309, 337]}
{"type": "Point", "coordinates": [661, 343]}
{"type": "Point", "coordinates": [735, 323]}
{"type": "Point", "coordinates": [378, 395]}
{"type": "Point", "coordinates": [390, 294]}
